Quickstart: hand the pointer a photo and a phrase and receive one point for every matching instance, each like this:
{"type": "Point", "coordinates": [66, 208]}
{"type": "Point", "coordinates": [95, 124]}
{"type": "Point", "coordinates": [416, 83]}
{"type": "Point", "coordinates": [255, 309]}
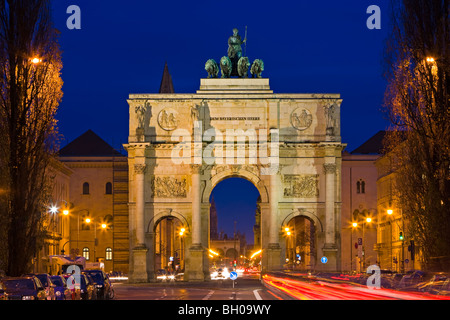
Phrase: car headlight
{"type": "Point", "coordinates": [27, 298]}
{"type": "Point", "coordinates": [99, 286]}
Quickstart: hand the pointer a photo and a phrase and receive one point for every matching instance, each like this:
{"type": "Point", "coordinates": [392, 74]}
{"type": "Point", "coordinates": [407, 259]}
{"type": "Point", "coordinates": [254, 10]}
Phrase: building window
{"type": "Point", "coordinates": [108, 188]}
{"type": "Point", "coordinates": [86, 253]}
{"type": "Point", "coordinates": [108, 254]}
{"type": "Point", "coordinates": [85, 188]}
{"type": "Point", "coordinates": [361, 186]}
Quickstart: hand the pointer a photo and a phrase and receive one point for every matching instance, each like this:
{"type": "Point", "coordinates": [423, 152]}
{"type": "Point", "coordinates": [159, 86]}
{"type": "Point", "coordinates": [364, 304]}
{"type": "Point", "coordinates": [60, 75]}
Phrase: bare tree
{"type": "Point", "coordinates": [30, 92]}
{"type": "Point", "coordinates": [417, 102]}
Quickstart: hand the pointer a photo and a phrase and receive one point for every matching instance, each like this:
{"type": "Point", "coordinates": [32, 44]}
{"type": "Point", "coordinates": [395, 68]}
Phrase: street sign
{"type": "Point", "coordinates": [360, 241]}
{"type": "Point", "coordinates": [233, 275]}
{"type": "Point", "coordinates": [324, 260]}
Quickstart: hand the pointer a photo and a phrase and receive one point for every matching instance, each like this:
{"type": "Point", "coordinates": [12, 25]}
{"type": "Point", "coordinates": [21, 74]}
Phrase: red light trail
{"type": "Point", "coordinates": [324, 290]}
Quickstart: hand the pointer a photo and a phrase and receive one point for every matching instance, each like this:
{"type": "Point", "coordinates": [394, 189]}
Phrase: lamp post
{"type": "Point", "coordinates": [390, 213]}
{"type": "Point", "coordinates": [103, 227]}
{"type": "Point", "coordinates": [354, 225]}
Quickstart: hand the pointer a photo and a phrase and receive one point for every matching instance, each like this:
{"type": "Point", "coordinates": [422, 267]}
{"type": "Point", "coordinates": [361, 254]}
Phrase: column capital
{"type": "Point", "coordinates": [329, 168]}
{"type": "Point", "coordinates": [196, 168]}
{"type": "Point", "coordinates": [140, 168]}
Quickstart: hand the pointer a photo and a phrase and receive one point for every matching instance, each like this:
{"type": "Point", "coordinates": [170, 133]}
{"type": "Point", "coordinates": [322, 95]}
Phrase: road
{"type": "Point", "coordinates": [247, 287]}
{"type": "Point", "coordinates": [274, 287]}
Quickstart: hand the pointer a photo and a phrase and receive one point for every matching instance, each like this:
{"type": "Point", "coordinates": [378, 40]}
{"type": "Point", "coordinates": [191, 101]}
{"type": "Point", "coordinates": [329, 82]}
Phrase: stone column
{"type": "Point", "coordinates": [330, 249]}
{"type": "Point", "coordinates": [196, 206]}
{"type": "Point", "coordinates": [139, 170]}
{"type": "Point", "coordinates": [273, 198]}
{"type": "Point", "coordinates": [330, 192]}
{"type": "Point", "coordinates": [196, 267]}
{"type": "Point", "coordinates": [274, 249]}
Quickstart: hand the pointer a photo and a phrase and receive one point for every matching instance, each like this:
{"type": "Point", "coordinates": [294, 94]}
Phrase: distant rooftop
{"type": "Point", "coordinates": [372, 146]}
{"type": "Point", "coordinates": [88, 144]}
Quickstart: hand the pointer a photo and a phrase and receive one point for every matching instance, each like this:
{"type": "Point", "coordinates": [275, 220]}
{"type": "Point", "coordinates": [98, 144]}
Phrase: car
{"type": "Point", "coordinates": [412, 280]}
{"type": "Point", "coordinates": [444, 290]}
{"type": "Point", "coordinates": [2, 291]}
{"type": "Point", "coordinates": [434, 285]}
{"type": "Point", "coordinates": [164, 275]}
{"type": "Point", "coordinates": [220, 273]}
{"type": "Point", "coordinates": [61, 290]}
{"type": "Point", "coordinates": [82, 290]}
{"type": "Point", "coordinates": [103, 287]}
{"type": "Point", "coordinates": [47, 283]}
{"type": "Point", "coordinates": [24, 288]}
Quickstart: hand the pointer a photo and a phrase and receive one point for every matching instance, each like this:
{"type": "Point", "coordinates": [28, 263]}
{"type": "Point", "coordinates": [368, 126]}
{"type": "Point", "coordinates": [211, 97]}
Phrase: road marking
{"type": "Point", "coordinates": [279, 298]}
{"type": "Point", "coordinates": [208, 295]}
{"type": "Point", "coordinates": [257, 296]}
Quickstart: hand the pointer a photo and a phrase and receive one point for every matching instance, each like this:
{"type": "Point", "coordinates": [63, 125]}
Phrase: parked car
{"type": "Point", "coordinates": [434, 285]}
{"type": "Point", "coordinates": [84, 290]}
{"type": "Point", "coordinates": [47, 284]}
{"type": "Point", "coordinates": [2, 291]}
{"type": "Point", "coordinates": [103, 288]}
{"type": "Point", "coordinates": [411, 280]}
{"type": "Point", "coordinates": [61, 290]}
{"type": "Point", "coordinates": [444, 290]}
{"type": "Point", "coordinates": [24, 288]}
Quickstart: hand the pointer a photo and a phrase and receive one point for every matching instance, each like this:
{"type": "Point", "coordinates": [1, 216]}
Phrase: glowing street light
{"type": "Point", "coordinates": [354, 224]}
{"type": "Point", "coordinates": [390, 211]}
{"type": "Point", "coordinates": [36, 60]}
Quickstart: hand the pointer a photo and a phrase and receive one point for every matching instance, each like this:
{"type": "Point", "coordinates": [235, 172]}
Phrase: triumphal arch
{"type": "Point", "coordinates": [181, 146]}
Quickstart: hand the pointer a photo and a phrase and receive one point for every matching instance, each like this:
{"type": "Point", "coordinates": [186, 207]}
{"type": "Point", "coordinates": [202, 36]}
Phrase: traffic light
{"type": "Point", "coordinates": [401, 236]}
{"type": "Point", "coordinates": [234, 263]}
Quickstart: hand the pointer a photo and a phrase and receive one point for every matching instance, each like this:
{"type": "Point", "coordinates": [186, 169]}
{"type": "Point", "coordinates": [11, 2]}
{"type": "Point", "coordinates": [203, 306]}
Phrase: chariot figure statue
{"type": "Point", "coordinates": [234, 45]}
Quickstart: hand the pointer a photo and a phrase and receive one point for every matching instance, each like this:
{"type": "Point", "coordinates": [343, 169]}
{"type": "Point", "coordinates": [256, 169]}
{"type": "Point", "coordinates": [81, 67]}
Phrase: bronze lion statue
{"type": "Point", "coordinates": [226, 67]}
{"type": "Point", "coordinates": [257, 68]}
{"type": "Point", "coordinates": [242, 67]}
{"type": "Point", "coordinates": [212, 68]}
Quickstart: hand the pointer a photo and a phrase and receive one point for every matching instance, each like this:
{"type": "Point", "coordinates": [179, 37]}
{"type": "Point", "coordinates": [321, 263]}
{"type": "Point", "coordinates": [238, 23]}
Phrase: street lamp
{"type": "Point", "coordinates": [354, 226]}
{"type": "Point", "coordinates": [103, 226]}
{"type": "Point", "coordinates": [36, 60]}
{"type": "Point", "coordinates": [390, 212]}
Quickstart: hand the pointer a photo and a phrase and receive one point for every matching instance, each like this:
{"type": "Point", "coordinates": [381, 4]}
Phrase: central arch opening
{"type": "Point", "coordinates": [300, 240]}
{"type": "Point", "coordinates": [234, 224]}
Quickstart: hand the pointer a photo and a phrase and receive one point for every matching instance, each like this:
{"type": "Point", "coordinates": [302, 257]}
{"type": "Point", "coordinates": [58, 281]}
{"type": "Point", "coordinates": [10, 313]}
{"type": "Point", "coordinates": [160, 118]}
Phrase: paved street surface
{"type": "Point", "coordinates": [274, 287]}
{"type": "Point", "coordinates": [247, 287]}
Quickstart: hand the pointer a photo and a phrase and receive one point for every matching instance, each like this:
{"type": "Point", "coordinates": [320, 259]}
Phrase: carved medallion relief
{"type": "Point", "coordinates": [168, 119]}
{"type": "Point", "coordinates": [301, 119]}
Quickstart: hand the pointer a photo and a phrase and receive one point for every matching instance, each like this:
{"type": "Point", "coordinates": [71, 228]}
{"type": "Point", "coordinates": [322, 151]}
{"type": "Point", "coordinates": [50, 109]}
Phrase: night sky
{"type": "Point", "coordinates": [306, 46]}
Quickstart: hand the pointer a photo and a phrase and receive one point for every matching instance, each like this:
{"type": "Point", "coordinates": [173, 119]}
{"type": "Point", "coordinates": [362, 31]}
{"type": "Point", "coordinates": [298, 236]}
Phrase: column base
{"type": "Point", "coordinates": [139, 265]}
{"type": "Point", "coordinates": [197, 266]}
{"type": "Point", "coordinates": [330, 251]}
{"type": "Point", "coordinates": [273, 258]}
